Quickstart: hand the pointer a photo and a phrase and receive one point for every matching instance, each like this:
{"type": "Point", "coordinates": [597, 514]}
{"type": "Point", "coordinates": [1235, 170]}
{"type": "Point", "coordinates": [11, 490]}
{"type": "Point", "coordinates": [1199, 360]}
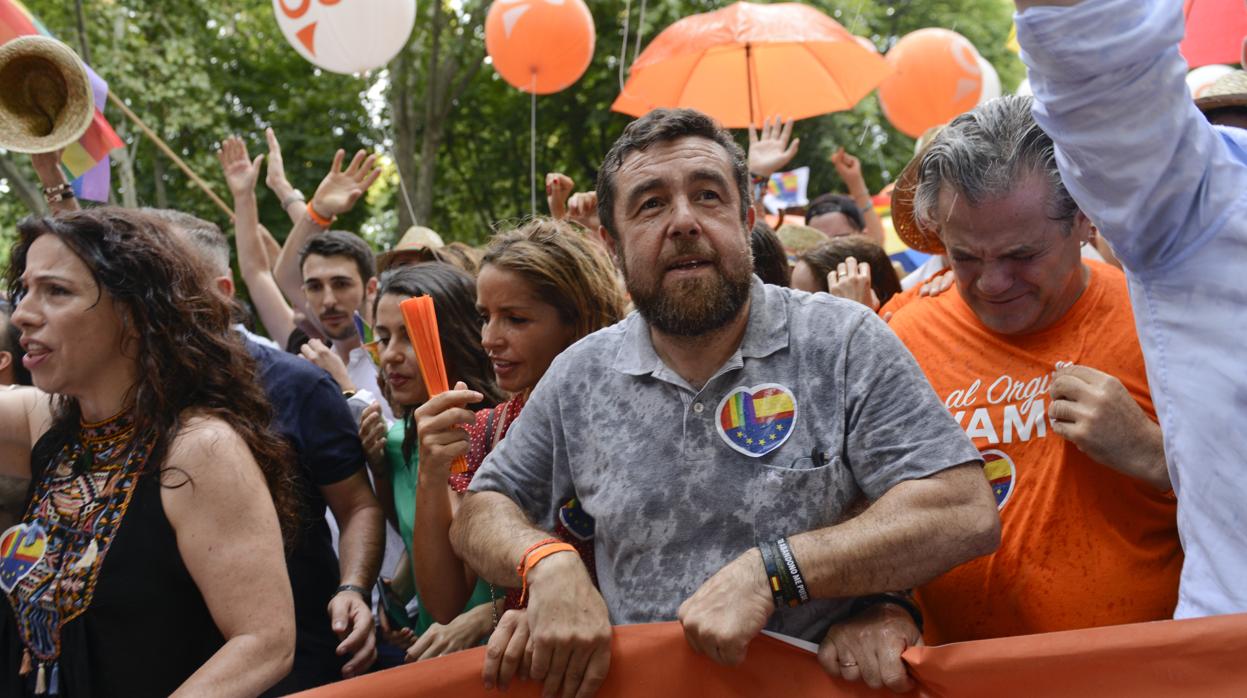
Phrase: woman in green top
{"type": "Point", "coordinates": [459, 325]}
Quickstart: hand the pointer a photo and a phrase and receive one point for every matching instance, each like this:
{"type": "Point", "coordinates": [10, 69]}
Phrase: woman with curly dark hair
{"type": "Point", "coordinates": [147, 445]}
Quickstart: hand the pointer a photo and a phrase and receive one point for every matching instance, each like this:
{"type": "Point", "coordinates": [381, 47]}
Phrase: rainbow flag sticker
{"type": "Point", "coordinates": [755, 421]}
{"type": "Point", "coordinates": [21, 548]}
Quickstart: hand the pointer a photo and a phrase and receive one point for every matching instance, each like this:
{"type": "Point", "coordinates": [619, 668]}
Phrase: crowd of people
{"type": "Point", "coordinates": [659, 407]}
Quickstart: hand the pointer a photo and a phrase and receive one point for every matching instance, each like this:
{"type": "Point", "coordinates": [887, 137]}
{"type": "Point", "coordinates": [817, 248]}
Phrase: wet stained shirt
{"type": "Point", "coordinates": [821, 408]}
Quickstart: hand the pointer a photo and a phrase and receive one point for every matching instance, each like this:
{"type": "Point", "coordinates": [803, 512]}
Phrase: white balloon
{"type": "Point", "coordinates": [991, 81]}
{"type": "Point", "coordinates": [346, 36]}
{"type": "Point", "coordinates": [1024, 88]}
{"type": "Point", "coordinates": [1202, 78]}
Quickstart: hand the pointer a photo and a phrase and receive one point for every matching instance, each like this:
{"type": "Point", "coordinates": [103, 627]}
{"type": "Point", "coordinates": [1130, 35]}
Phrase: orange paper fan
{"type": "Point", "coordinates": [421, 321]}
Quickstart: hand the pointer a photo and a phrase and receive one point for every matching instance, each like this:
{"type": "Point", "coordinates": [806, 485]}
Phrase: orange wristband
{"type": "Point", "coordinates": [317, 218]}
{"type": "Point", "coordinates": [531, 560]}
{"type": "Point", "coordinates": [519, 569]}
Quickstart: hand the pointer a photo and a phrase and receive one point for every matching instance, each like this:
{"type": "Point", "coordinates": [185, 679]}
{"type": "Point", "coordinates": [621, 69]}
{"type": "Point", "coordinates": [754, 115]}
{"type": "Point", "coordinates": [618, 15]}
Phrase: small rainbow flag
{"type": "Point", "coordinates": [86, 160]}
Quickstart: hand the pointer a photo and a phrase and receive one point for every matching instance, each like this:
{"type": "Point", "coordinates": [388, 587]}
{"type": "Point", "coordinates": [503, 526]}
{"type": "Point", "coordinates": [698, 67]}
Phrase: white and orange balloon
{"type": "Point", "coordinates": [346, 36]}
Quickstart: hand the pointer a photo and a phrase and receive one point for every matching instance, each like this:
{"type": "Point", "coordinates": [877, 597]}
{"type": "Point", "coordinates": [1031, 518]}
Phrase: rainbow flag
{"type": "Point", "coordinates": [86, 160]}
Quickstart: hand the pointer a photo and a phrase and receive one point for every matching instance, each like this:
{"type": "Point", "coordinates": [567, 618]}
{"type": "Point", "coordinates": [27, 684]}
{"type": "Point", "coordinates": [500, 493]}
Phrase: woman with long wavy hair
{"type": "Point", "coordinates": [149, 560]}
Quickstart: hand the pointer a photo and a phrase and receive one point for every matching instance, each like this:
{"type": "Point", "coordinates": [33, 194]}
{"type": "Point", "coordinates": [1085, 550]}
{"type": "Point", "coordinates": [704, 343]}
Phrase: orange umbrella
{"type": "Point", "coordinates": [746, 62]}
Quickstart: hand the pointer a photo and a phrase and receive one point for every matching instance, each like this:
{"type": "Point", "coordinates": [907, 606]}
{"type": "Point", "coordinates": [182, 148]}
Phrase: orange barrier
{"type": "Point", "coordinates": [1204, 657]}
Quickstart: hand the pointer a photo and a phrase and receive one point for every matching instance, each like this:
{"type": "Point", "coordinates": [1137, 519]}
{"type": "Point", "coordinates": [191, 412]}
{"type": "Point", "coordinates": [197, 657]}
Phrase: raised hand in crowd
{"type": "Point", "coordinates": [464, 632]}
{"type": "Point", "coordinates": [558, 187]}
{"type": "Point", "coordinates": [868, 647]}
{"type": "Point", "coordinates": [849, 168]}
{"type": "Point", "coordinates": [729, 610]}
{"type": "Point", "coordinates": [851, 281]}
{"type": "Point", "coordinates": [292, 200]}
{"type": "Point", "coordinates": [335, 195]}
{"type": "Point", "coordinates": [320, 354]}
{"type": "Point", "coordinates": [1095, 411]}
{"type": "Point", "coordinates": [341, 188]}
{"type": "Point", "coordinates": [56, 190]}
{"type": "Point", "coordinates": [241, 172]}
{"type": "Point", "coordinates": [507, 655]}
{"type": "Point", "coordinates": [254, 255]}
{"type": "Point", "coordinates": [582, 208]}
{"type": "Point", "coordinates": [771, 151]}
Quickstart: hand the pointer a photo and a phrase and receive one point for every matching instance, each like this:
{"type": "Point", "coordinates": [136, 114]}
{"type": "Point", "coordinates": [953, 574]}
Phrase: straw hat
{"type": "Point", "coordinates": [46, 101]}
{"type": "Point", "coordinates": [418, 240]}
{"type": "Point", "coordinates": [903, 219]}
{"type": "Point", "coordinates": [1228, 91]}
{"type": "Point", "coordinates": [798, 239]}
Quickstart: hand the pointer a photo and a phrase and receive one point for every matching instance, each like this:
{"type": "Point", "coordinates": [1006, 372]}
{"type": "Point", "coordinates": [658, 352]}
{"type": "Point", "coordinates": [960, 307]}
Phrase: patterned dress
{"type": "Point", "coordinates": [95, 585]}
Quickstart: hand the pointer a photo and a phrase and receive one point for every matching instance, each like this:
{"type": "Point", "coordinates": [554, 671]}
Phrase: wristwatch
{"type": "Point", "coordinates": [363, 593]}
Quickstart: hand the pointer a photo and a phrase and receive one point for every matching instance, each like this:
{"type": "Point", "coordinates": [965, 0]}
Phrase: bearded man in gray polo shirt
{"type": "Point", "coordinates": [725, 413]}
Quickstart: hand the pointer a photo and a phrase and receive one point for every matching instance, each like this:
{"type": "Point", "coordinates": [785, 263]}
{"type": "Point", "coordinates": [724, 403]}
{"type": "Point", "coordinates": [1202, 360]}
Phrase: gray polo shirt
{"type": "Point", "coordinates": [820, 409]}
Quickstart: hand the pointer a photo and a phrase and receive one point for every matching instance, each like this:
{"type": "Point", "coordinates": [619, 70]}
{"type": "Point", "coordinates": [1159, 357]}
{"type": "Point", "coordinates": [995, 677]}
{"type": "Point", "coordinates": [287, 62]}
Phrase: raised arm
{"type": "Point", "coordinates": [240, 174]}
{"type": "Point", "coordinates": [292, 200]}
{"type": "Point", "coordinates": [1133, 150]}
{"type": "Point", "coordinates": [770, 153]}
{"type": "Point", "coordinates": [56, 190]}
{"type": "Point", "coordinates": [336, 195]}
{"type": "Point", "coordinates": [850, 170]}
{"type": "Point", "coordinates": [229, 538]}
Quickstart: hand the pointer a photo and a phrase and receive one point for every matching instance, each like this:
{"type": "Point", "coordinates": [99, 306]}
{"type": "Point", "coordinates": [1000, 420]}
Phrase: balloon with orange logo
{"type": "Point", "coordinates": [936, 76]}
{"type": "Point", "coordinates": [540, 46]}
{"type": "Point", "coordinates": [346, 36]}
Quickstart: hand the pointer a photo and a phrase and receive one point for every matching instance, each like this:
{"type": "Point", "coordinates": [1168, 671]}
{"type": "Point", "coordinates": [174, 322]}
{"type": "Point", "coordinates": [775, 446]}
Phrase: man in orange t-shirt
{"type": "Point", "coordinates": [1037, 358]}
{"type": "Point", "coordinates": [1082, 544]}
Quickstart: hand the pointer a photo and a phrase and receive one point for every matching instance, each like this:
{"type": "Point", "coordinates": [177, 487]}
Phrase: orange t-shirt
{"type": "Point", "coordinates": [1081, 544]}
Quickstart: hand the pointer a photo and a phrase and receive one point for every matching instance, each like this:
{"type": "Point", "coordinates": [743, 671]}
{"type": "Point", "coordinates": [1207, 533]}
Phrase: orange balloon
{"type": "Point", "coordinates": [936, 76]}
{"type": "Point", "coordinates": [540, 46]}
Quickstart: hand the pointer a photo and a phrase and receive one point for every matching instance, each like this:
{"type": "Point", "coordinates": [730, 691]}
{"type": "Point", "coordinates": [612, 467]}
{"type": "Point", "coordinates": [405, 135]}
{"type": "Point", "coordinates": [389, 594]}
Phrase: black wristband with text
{"type": "Point", "coordinates": [773, 580]}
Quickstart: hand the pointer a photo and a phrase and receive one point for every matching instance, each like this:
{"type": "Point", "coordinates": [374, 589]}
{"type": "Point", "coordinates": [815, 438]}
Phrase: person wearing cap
{"type": "Point", "coordinates": [418, 244]}
{"type": "Point", "coordinates": [1168, 191]}
{"type": "Point", "coordinates": [1036, 357]}
{"type": "Point", "coordinates": [724, 430]}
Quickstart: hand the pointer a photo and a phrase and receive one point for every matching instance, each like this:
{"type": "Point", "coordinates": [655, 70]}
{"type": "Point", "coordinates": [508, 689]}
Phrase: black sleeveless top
{"type": "Point", "coordinates": [98, 601]}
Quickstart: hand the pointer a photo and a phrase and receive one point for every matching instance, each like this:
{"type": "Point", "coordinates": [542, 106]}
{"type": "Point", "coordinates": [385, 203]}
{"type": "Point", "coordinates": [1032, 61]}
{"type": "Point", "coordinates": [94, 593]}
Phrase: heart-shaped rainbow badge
{"type": "Point", "coordinates": [757, 420]}
{"type": "Point", "coordinates": [21, 548]}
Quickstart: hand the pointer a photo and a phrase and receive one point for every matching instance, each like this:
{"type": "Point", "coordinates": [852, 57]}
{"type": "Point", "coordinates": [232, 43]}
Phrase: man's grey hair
{"type": "Point", "coordinates": [984, 154]}
{"type": "Point", "coordinates": [204, 236]}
